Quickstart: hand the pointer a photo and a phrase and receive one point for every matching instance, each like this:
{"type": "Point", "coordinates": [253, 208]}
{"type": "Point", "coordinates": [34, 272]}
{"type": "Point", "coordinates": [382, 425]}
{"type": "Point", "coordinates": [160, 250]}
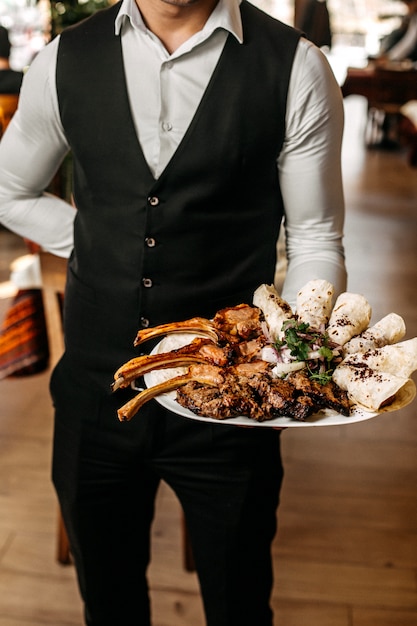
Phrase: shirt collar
{"type": "Point", "coordinates": [226, 16]}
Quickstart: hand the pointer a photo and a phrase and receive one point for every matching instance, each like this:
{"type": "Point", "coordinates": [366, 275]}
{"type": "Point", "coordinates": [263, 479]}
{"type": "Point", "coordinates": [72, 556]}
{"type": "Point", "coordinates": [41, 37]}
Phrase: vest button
{"type": "Point", "coordinates": [153, 201]}
{"type": "Point", "coordinates": [144, 322]}
{"type": "Point", "coordinates": [150, 242]}
{"type": "Point", "coordinates": [146, 282]}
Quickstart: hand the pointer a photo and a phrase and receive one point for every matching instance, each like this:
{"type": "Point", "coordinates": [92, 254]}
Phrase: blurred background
{"type": "Point", "coordinates": [357, 26]}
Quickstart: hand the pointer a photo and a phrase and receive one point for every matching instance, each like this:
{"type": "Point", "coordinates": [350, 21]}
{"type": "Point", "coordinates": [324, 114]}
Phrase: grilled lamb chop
{"type": "Point", "coordinates": [229, 325]}
{"type": "Point", "coordinates": [196, 325]}
{"type": "Point", "coordinates": [200, 350]}
{"type": "Point", "coordinates": [206, 374]}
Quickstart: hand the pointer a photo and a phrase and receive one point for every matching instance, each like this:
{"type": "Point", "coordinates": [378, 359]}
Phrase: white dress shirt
{"type": "Point", "coordinates": [309, 165]}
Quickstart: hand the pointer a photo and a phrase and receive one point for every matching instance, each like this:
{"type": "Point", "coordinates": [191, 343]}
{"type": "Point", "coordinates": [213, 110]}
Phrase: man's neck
{"type": "Point", "coordinates": [175, 21]}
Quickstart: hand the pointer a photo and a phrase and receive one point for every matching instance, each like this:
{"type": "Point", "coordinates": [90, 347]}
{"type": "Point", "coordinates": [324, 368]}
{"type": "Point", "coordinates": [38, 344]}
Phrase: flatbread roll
{"type": "Point", "coordinates": [390, 329]}
{"type": "Point", "coordinates": [402, 398]}
{"type": "Point", "coordinates": [314, 303]}
{"type": "Point", "coordinates": [375, 390]}
{"type": "Point", "coordinates": [350, 316]}
{"type": "Point", "coordinates": [399, 359]}
{"type": "Point", "coordinates": [377, 376]}
{"type": "Point", "coordinates": [275, 309]}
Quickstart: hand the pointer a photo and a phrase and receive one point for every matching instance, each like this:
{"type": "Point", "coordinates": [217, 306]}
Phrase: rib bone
{"type": "Point", "coordinates": [207, 374]}
{"type": "Point", "coordinates": [198, 351]}
{"type": "Point", "coordinates": [198, 325]}
{"type": "Point", "coordinates": [230, 324]}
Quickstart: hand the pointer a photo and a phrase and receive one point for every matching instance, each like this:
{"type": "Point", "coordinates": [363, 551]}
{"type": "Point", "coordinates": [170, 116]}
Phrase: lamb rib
{"type": "Point", "coordinates": [207, 374]}
{"type": "Point", "coordinates": [197, 325]}
{"type": "Point", "coordinates": [200, 350]}
{"type": "Point", "coordinates": [228, 325]}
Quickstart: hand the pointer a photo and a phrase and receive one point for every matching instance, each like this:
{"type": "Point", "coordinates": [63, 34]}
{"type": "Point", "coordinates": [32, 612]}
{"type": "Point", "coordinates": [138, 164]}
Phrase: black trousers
{"type": "Point", "coordinates": [106, 475]}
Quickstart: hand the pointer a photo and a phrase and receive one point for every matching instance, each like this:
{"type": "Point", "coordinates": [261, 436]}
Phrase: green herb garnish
{"type": "Point", "coordinates": [301, 340]}
{"type": "Point", "coordinates": [321, 377]}
{"type": "Point", "coordinates": [297, 345]}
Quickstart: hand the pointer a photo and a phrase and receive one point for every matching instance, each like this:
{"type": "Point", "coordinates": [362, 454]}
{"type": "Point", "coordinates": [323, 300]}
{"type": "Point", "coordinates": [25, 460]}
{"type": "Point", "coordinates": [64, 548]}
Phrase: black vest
{"type": "Point", "coordinates": [202, 236]}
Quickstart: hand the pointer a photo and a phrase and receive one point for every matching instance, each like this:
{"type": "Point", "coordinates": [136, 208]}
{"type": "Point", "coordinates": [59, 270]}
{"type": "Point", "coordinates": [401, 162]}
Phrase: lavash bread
{"type": "Point", "coordinates": [376, 377]}
{"type": "Point", "coordinates": [350, 316]}
{"type": "Point", "coordinates": [314, 303]}
{"type": "Point", "coordinates": [275, 309]}
{"type": "Point", "coordinates": [390, 329]}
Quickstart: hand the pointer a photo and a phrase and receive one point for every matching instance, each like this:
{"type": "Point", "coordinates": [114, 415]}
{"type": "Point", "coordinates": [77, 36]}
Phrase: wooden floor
{"type": "Point", "coordinates": [346, 550]}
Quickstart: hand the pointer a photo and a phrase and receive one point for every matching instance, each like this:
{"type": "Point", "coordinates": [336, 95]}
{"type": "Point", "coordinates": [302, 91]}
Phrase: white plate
{"type": "Point", "coordinates": [326, 417]}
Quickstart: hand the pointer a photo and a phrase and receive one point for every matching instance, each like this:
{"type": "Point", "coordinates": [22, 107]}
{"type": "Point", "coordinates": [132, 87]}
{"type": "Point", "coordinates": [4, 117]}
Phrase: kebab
{"type": "Point", "coordinates": [242, 335]}
{"type": "Point", "coordinates": [269, 361]}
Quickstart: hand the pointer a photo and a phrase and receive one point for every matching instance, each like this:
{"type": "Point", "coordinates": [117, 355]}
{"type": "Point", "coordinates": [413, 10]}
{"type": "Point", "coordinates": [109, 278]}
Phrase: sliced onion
{"type": "Point", "coordinates": [269, 354]}
{"type": "Point", "coordinates": [281, 369]}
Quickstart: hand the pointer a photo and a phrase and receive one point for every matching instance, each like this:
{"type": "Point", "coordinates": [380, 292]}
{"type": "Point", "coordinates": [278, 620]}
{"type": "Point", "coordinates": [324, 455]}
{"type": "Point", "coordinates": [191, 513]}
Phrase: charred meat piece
{"type": "Point", "coordinates": [232, 397]}
{"type": "Point", "coordinates": [246, 389]}
{"type": "Point", "coordinates": [219, 402]}
{"type": "Point", "coordinates": [324, 396]}
{"type": "Point", "coordinates": [231, 394]}
{"type": "Point", "coordinates": [280, 399]}
{"type": "Point", "coordinates": [277, 397]}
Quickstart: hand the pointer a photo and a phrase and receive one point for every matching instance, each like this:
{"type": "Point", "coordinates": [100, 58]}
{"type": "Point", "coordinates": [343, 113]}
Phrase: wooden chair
{"type": "Point", "coordinates": [408, 137]}
{"type": "Point", "coordinates": [386, 91]}
{"type": "Point", "coordinates": [8, 106]}
{"type": "Point", "coordinates": [53, 271]}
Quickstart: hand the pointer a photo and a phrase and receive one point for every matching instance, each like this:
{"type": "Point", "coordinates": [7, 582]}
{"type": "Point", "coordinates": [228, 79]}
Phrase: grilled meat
{"type": "Point", "coordinates": [197, 325]}
{"type": "Point", "coordinates": [328, 396]}
{"type": "Point", "coordinates": [230, 325]}
{"type": "Point", "coordinates": [245, 390]}
{"type": "Point", "coordinates": [200, 350]}
{"type": "Point", "coordinates": [242, 321]}
{"type": "Point", "coordinates": [205, 374]}
{"type": "Point", "coordinates": [226, 375]}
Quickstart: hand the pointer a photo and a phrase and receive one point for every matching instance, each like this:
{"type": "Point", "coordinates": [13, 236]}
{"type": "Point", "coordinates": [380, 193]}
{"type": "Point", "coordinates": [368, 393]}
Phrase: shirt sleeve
{"type": "Point", "coordinates": [310, 174]}
{"type": "Point", "coordinates": [31, 151]}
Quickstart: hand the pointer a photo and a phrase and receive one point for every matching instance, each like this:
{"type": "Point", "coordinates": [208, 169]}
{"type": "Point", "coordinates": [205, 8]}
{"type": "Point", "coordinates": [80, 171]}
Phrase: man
{"type": "Point", "coordinates": [401, 44]}
{"type": "Point", "coordinates": [193, 125]}
{"type": "Point", "coordinates": [10, 80]}
{"type": "Point", "coordinates": [312, 17]}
